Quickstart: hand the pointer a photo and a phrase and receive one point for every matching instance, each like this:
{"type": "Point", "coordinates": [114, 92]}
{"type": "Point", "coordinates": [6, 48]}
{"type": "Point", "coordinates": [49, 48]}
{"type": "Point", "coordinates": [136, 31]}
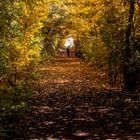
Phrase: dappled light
{"type": "Point", "coordinates": [73, 107]}
{"type": "Point", "coordinates": [69, 70]}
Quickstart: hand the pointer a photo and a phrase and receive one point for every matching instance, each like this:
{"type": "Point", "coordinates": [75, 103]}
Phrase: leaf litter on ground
{"type": "Point", "coordinates": [72, 104]}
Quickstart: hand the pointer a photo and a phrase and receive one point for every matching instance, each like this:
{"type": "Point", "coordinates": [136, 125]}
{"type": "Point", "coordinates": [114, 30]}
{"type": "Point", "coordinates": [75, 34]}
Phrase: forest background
{"type": "Point", "coordinates": [106, 33]}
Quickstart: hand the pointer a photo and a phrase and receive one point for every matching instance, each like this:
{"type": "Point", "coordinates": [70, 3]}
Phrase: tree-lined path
{"type": "Point", "coordinates": [70, 105]}
{"type": "Point", "coordinates": [45, 94]}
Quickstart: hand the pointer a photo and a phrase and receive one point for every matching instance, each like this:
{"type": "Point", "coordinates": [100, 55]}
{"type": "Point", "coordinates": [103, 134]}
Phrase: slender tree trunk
{"type": "Point", "coordinates": [76, 46]}
{"type": "Point", "coordinates": [129, 77]}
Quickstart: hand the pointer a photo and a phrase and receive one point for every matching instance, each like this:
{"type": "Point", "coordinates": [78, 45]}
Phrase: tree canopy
{"type": "Point", "coordinates": [106, 35]}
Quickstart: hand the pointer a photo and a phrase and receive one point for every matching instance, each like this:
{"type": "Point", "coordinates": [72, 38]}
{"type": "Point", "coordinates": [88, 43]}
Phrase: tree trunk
{"type": "Point", "coordinates": [129, 75]}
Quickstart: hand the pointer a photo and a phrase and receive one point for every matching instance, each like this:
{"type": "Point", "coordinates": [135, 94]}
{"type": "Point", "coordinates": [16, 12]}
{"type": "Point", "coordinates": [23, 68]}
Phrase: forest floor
{"type": "Point", "coordinates": [73, 103]}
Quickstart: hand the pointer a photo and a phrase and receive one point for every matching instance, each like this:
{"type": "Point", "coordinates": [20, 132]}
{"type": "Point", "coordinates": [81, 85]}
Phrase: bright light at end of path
{"type": "Point", "coordinates": [69, 42]}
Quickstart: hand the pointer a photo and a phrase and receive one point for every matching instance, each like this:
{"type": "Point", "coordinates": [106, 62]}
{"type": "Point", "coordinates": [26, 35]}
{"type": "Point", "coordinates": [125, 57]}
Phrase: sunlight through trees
{"type": "Point", "coordinates": [106, 35]}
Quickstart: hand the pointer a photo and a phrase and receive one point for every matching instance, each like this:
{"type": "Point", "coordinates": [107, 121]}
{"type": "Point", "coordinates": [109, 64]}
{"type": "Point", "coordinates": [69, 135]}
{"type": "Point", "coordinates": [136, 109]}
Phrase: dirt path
{"type": "Point", "coordinates": [70, 106]}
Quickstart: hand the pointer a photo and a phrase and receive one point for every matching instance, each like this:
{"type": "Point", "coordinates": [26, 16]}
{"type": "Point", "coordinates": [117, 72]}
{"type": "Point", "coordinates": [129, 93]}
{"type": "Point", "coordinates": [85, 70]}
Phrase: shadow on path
{"type": "Point", "coordinates": [69, 106]}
